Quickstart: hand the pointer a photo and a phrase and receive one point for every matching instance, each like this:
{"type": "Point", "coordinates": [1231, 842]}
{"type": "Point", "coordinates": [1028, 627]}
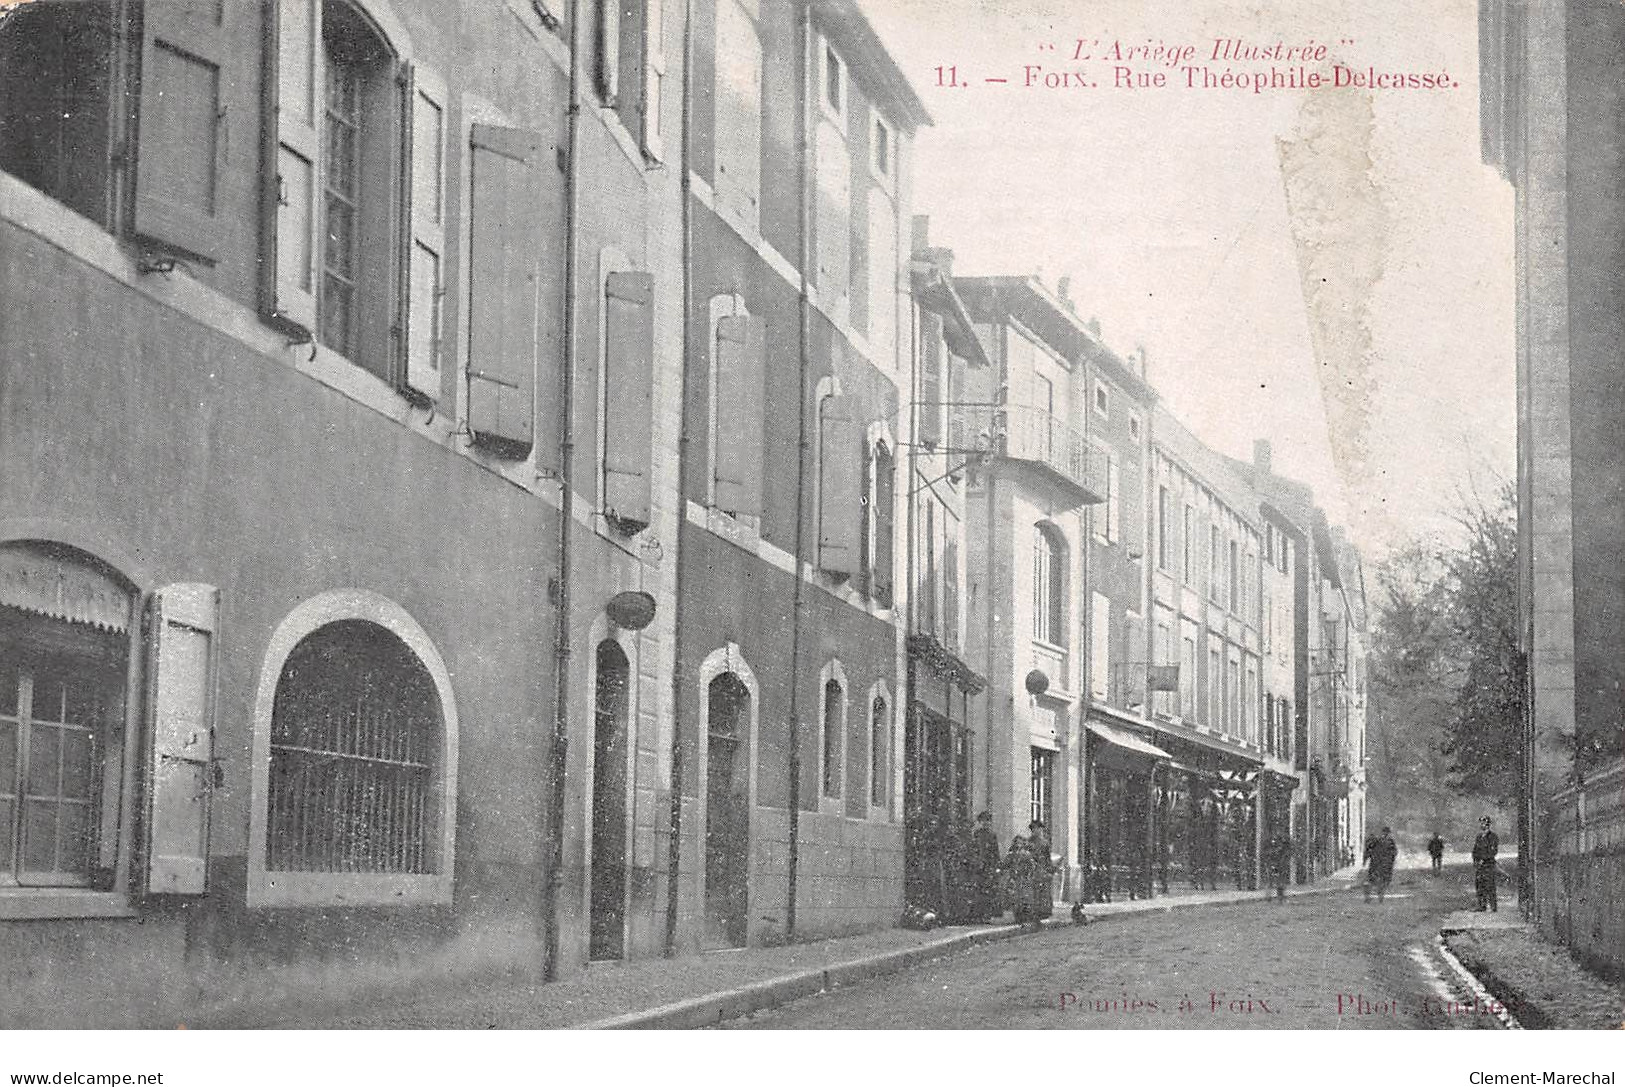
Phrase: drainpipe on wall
{"type": "Point", "coordinates": [559, 747]}
{"type": "Point", "coordinates": [804, 224]}
{"type": "Point", "coordinates": [674, 854]}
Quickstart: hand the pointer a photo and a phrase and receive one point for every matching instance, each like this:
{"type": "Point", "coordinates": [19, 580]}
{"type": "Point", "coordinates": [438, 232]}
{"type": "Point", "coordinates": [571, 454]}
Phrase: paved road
{"type": "Point", "coordinates": [1330, 962]}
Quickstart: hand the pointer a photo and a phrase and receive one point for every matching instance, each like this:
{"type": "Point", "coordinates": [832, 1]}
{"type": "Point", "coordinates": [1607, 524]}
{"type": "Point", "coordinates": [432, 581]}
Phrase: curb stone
{"type": "Point", "coordinates": [713, 1008]}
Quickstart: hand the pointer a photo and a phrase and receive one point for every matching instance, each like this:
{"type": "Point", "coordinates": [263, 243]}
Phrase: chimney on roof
{"type": "Point", "coordinates": [1261, 456]}
{"type": "Point", "coordinates": [1063, 287]}
{"type": "Point", "coordinates": [920, 239]}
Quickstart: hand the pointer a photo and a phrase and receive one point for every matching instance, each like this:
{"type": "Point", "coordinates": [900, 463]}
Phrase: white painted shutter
{"type": "Point", "coordinates": [426, 135]}
{"type": "Point", "coordinates": [738, 180]}
{"type": "Point", "coordinates": [840, 508]}
{"type": "Point", "coordinates": [183, 650]}
{"type": "Point", "coordinates": [183, 126]}
{"type": "Point", "coordinates": [628, 394]}
{"type": "Point", "coordinates": [738, 436]}
{"type": "Point", "coordinates": [298, 66]}
{"type": "Point", "coordinates": [505, 253]}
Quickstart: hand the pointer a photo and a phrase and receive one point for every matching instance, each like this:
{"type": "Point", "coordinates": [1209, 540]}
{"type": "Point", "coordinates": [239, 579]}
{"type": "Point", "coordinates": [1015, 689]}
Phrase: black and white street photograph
{"type": "Point", "coordinates": [739, 516]}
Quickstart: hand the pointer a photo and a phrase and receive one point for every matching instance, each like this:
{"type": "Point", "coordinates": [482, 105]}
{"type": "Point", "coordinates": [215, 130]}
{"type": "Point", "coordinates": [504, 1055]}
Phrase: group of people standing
{"type": "Point", "coordinates": [1380, 853]}
{"type": "Point", "coordinates": [980, 882]}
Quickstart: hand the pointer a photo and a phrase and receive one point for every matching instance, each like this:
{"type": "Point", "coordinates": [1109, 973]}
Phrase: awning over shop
{"type": "Point", "coordinates": [1126, 740]}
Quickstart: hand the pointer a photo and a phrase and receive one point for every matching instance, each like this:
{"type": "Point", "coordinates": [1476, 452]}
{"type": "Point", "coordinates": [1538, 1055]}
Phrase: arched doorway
{"type": "Point", "coordinates": [607, 920]}
{"type": "Point", "coordinates": [727, 812]}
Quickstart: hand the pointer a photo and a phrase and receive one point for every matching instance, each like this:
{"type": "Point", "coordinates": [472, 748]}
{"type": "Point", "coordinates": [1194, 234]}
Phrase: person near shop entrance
{"type": "Point", "coordinates": [1379, 858]}
{"type": "Point", "coordinates": [1436, 851]}
{"type": "Point", "coordinates": [984, 864]}
{"type": "Point", "coordinates": [1027, 875]}
{"type": "Point", "coordinates": [1485, 847]}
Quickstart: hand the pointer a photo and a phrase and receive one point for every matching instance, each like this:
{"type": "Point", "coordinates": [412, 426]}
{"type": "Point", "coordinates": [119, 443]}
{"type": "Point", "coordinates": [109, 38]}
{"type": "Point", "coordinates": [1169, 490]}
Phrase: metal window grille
{"type": "Point", "coordinates": [354, 744]}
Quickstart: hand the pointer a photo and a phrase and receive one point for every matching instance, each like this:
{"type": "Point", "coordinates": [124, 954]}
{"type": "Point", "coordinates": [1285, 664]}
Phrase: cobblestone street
{"type": "Point", "coordinates": [1328, 961]}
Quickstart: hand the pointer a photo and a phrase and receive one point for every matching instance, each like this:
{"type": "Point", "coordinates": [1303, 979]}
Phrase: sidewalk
{"type": "Point", "coordinates": [692, 991]}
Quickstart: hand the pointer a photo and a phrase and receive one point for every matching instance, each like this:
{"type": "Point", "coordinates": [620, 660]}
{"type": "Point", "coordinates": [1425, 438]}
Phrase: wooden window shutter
{"type": "Point", "coordinates": [183, 126]}
{"type": "Point", "coordinates": [628, 395]}
{"type": "Point", "coordinates": [424, 150]}
{"type": "Point", "coordinates": [183, 648]}
{"type": "Point", "coordinates": [294, 64]}
{"type": "Point", "coordinates": [930, 379]}
{"type": "Point", "coordinates": [505, 242]}
{"type": "Point", "coordinates": [738, 436]}
{"type": "Point", "coordinates": [840, 444]}
{"type": "Point", "coordinates": [885, 473]}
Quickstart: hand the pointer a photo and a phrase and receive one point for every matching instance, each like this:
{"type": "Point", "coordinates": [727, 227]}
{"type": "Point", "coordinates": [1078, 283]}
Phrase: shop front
{"type": "Point", "coordinates": [936, 774]}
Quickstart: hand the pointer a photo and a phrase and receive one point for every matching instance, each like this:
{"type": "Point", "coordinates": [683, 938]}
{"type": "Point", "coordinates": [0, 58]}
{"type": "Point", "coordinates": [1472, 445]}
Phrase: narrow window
{"type": "Point", "coordinates": [1162, 528]}
{"type": "Point", "coordinates": [832, 78]}
{"type": "Point", "coordinates": [834, 725]}
{"type": "Point", "coordinates": [879, 752]}
{"type": "Point", "coordinates": [1041, 790]}
{"type": "Point", "coordinates": [1049, 569]}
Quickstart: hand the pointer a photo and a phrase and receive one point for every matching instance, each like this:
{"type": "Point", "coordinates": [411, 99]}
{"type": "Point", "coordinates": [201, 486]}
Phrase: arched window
{"type": "Point", "coordinates": [879, 751]}
{"type": "Point", "coordinates": [64, 651]}
{"type": "Point", "coordinates": [355, 757]}
{"type": "Point", "coordinates": [1049, 586]}
{"type": "Point", "coordinates": [834, 726]}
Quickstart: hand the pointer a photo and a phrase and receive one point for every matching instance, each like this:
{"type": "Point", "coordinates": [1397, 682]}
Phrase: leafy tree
{"type": "Point", "coordinates": [1480, 588]}
{"type": "Point", "coordinates": [1446, 675]}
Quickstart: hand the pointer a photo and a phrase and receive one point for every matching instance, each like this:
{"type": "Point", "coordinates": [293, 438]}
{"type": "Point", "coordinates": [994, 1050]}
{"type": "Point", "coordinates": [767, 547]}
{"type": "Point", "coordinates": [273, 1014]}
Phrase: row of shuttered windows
{"type": "Point", "coordinates": [359, 218]}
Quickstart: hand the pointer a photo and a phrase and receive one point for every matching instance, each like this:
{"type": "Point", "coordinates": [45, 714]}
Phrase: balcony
{"type": "Point", "coordinates": [1037, 446]}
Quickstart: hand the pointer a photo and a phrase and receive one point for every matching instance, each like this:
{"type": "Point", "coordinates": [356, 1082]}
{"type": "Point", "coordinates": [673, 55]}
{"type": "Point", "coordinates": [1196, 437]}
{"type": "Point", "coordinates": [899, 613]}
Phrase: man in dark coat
{"type": "Point", "coordinates": [1379, 858]}
{"type": "Point", "coordinates": [1485, 847]}
{"type": "Point", "coordinates": [984, 859]}
{"type": "Point", "coordinates": [1280, 855]}
{"type": "Point", "coordinates": [1436, 851]}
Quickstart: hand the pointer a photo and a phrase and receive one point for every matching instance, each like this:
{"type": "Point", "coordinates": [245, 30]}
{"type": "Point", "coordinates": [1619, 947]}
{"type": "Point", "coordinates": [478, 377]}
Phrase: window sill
{"type": "Point", "coordinates": [59, 904]}
{"type": "Point", "coordinates": [294, 889]}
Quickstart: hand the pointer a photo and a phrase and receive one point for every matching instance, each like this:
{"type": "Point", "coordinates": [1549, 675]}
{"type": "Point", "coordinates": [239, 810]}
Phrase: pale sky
{"type": "Point", "coordinates": [1167, 209]}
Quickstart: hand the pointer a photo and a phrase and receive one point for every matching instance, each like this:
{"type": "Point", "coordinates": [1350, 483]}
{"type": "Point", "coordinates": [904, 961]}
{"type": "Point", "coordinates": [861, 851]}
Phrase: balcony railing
{"type": "Point", "coordinates": [1034, 437]}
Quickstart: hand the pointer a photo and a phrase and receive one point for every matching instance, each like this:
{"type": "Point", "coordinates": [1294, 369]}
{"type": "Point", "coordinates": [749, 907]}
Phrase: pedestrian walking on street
{"type": "Point", "coordinates": [984, 860]}
{"type": "Point", "coordinates": [1436, 851]}
{"type": "Point", "coordinates": [1485, 847]}
{"type": "Point", "coordinates": [1379, 859]}
{"type": "Point", "coordinates": [1280, 856]}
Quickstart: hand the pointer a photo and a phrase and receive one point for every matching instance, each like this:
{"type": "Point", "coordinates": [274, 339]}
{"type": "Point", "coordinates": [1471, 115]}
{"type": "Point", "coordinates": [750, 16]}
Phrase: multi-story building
{"type": "Point", "coordinates": [1129, 646]}
{"type": "Point", "coordinates": [789, 699]}
{"type": "Point", "coordinates": [941, 687]}
{"type": "Point", "coordinates": [337, 598]}
{"type": "Point", "coordinates": [1550, 123]}
{"type": "Point", "coordinates": [1205, 587]}
{"type": "Point", "coordinates": [1285, 676]}
{"type": "Point", "coordinates": [1027, 541]}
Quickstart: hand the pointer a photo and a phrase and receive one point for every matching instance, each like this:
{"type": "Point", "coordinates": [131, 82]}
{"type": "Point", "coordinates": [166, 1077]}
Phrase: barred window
{"type": "Point", "coordinates": [355, 737]}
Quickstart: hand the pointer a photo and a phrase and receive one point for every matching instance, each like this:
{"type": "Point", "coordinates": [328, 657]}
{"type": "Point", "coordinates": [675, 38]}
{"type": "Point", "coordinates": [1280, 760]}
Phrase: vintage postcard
{"type": "Point", "coordinates": [829, 514]}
